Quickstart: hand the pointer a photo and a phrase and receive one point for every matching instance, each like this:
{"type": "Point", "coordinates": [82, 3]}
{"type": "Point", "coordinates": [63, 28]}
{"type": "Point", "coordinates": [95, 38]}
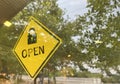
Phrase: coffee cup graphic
{"type": "Point", "coordinates": [32, 36]}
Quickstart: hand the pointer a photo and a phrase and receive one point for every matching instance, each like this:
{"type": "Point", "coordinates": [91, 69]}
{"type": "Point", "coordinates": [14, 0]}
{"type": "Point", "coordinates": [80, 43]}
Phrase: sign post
{"type": "Point", "coordinates": [35, 47]}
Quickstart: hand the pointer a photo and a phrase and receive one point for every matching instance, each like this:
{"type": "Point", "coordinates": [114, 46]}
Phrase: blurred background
{"type": "Point", "coordinates": [90, 33]}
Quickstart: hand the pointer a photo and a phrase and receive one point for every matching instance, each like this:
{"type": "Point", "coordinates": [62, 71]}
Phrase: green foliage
{"type": "Point", "coordinates": [100, 23]}
{"type": "Point", "coordinates": [86, 74]}
{"type": "Point", "coordinates": [79, 47]}
{"type": "Point", "coordinates": [112, 79]}
{"type": "Point", "coordinates": [44, 10]}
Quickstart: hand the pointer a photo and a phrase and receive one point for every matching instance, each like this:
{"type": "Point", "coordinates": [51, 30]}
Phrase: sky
{"type": "Point", "coordinates": [73, 7]}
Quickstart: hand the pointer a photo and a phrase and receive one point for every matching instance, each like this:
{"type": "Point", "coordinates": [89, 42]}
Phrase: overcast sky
{"type": "Point", "coordinates": [73, 7]}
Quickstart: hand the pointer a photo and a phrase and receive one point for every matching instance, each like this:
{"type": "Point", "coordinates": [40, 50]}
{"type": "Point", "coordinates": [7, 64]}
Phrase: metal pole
{"type": "Point", "coordinates": [48, 77]}
{"type": "Point", "coordinates": [35, 80]}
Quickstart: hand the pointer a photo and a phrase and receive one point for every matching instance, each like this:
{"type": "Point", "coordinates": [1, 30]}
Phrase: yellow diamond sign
{"type": "Point", "coordinates": [35, 46]}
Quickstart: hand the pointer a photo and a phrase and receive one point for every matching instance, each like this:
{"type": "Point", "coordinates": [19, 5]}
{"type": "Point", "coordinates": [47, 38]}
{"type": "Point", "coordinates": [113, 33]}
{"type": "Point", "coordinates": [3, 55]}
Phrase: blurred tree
{"type": "Point", "coordinates": [98, 38]}
{"type": "Point", "coordinates": [92, 39]}
{"type": "Point", "coordinates": [7, 59]}
{"type": "Point", "coordinates": [47, 11]}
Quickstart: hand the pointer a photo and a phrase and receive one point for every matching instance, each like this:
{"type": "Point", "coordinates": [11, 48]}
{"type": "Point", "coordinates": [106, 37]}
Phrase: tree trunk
{"type": "Point", "coordinates": [54, 77]}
